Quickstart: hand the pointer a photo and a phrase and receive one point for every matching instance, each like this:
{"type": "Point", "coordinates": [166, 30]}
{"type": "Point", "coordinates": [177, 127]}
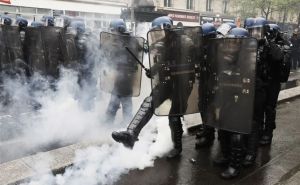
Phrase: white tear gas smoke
{"type": "Point", "coordinates": [63, 118]}
{"type": "Point", "coordinates": [105, 164]}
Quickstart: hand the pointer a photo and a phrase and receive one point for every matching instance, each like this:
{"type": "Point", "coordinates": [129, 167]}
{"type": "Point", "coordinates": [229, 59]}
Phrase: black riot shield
{"type": "Point", "coordinates": [120, 72]}
{"type": "Point", "coordinates": [69, 50]}
{"type": "Point", "coordinates": [52, 47]}
{"type": "Point", "coordinates": [175, 56]}
{"type": "Point", "coordinates": [11, 50]}
{"type": "Point", "coordinates": [232, 64]}
{"type": "Point", "coordinates": [43, 49]}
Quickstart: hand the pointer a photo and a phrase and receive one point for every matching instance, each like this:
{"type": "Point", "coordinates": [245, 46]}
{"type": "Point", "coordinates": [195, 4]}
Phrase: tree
{"type": "Point", "coordinates": [264, 8]}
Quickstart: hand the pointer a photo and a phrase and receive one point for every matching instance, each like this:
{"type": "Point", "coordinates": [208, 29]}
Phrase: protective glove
{"type": "Point", "coordinates": [148, 73]}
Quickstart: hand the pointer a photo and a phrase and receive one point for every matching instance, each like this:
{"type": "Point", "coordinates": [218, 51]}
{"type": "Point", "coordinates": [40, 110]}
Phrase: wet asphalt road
{"type": "Point", "coordinates": [275, 164]}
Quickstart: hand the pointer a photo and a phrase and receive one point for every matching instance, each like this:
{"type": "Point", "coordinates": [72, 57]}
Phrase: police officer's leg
{"type": "Point", "coordinates": [257, 124]}
{"type": "Point", "coordinates": [127, 108]}
{"type": "Point", "coordinates": [176, 134]}
{"type": "Point", "coordinates": [223, 159]}
{"type": "Point", "coordinates": [205, 137]}
{"type": "Point", "coordinates": [236, 156]}
{"type": "Point", "coordinates": [273, 90]}
{"type": "Point", "coordinates": [140, 119]}
{"type": "Point", "coordinates": [112, 108]}
{"type": "Point", "coordinates": [252, 145]}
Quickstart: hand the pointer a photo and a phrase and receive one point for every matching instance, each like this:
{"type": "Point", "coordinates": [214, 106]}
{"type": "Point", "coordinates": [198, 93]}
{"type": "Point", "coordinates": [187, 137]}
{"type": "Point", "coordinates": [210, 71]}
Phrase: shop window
{"type": "Point", "coordinates": [27, 10]}
{"type": "Point", "coordinates": [72, 13]}
{"type": "Point", "coordinates": [43, 11]}
{"type": "Point", "coordinates": [4, 8]}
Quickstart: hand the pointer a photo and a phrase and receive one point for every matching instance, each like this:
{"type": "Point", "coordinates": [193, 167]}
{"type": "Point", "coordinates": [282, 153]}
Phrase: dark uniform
{"type": "Point", "coordinates": [118, 26]}
{"type": "Point", "coordinates": [163, 91]}
{"type": "Point", "coordinates": [206, 135]}
{"type": "Point", "coordinates": [273, 67]}
{"type": "Point", "coordinates": [231, 105]}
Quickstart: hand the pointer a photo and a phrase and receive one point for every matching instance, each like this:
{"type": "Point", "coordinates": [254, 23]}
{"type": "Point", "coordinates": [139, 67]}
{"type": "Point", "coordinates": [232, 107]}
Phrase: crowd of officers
{"type": "Point", "coordinates": [238, 149]}
{"type": "Point", "coordinates": [43, 45]}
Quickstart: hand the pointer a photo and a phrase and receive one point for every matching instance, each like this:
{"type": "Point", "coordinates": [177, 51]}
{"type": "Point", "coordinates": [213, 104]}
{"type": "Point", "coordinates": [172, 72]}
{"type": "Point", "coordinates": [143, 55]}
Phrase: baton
{"type": "Point", "coordinates": [136, 58]}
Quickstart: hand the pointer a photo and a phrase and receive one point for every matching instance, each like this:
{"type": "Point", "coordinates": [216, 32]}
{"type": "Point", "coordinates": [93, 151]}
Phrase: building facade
{"type": "Point", "coordinates": [96, 13]}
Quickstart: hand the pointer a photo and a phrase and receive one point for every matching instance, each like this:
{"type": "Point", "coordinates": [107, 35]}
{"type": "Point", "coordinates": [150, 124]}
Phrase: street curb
{"type": "Point", "coordinates": [20, 170]}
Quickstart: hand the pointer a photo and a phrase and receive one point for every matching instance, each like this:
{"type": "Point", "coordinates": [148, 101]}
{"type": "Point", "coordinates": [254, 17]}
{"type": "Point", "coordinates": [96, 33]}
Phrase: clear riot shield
{"type": "Point", "coordinates": [11, 49]}
{"type": "Point", "coordinates": [43, 49]}
{"type": "Point", "coordinates": [232, 64]}
{"type": "Point", "coordinates": [257, 32]}
{"type": "Point", "coordinates": [120, 72]}
{"type": "Point", "coordinates": [174, 57]}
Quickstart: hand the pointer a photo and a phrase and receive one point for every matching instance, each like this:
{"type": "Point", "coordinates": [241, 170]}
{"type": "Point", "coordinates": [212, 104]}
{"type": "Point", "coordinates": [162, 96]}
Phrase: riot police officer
{"type": "Point", "coordinates": [206, 135]}
{"type": "Point", "coordinates": [279, 69]}
{"type": "Point", "coordinates": [118, 26]}
{"type": "Point", "coordinates": [22, 23]}
{"type": "Point", "coordinates": [272, 68]}
{"type": "Point", "coordinates": [231, 141]}
{"type": "Point", "coordinates": [6, 20]}
{"type": "Point", "coordinates": [48, 20]}
{"type": "Point", "coordinates": [144, 114]}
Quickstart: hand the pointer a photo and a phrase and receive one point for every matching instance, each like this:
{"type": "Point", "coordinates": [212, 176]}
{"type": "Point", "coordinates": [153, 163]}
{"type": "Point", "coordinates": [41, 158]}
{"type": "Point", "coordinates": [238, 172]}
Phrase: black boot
{"type": "Point", "coordinates": [223, 160]}
{"type": "Point", "coordinates": [266, 138]}
{"type": "Point", "coordinates": [141, 118]}
{"type": "Point", "coordinates": [236, 157]}
{"type": "Point", "coordinates": [128, 139]}
{"type": "Point", "coordinates": [176, 134]}
{"type": "Point", "coordinates": [205, 137]}
{"type": "Point", "coordinates": [252, 145]}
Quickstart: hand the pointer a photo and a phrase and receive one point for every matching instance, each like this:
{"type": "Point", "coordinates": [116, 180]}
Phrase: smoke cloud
{"type": "Point", "coordinates": [62, 113]}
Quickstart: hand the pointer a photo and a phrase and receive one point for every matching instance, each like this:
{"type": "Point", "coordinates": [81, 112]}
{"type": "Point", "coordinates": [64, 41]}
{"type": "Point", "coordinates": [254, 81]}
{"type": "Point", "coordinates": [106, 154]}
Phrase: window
{"type": "Point", "coordinates": [167, 3]}
{"type": "Point", "coordinates": [208, 5]}
{"type": "Point", "coordinates": [189, 4]}
{"type": "Point", "coordinates": [5, 8]}
{"type": "Point", "coordinates": [225, 6]}
{"type": "Point", "coordinates": [72, 13]}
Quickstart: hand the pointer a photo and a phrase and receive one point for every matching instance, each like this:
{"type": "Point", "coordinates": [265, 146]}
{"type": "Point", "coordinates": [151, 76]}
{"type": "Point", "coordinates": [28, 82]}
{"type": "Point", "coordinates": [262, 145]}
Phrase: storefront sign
{"type": "Point", "coordinates": [183, 16]}
{"type": "Point", "coordinates": [5, 1]}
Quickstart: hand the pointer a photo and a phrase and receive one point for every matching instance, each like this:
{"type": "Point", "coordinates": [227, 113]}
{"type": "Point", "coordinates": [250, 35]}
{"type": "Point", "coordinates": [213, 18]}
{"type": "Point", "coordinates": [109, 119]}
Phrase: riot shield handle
{"type": "Point", "coordinates": [138, 61]}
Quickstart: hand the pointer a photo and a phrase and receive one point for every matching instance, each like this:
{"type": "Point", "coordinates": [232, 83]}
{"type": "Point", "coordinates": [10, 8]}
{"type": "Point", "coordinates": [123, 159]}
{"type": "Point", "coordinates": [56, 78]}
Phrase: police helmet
{"type": "Point", "coordinates": [78, 25]}
{"type": "Point", "coordinates": [248, 22]}
{"type": "Point", "coordinates": [21, 22]}
{"type": "Point", "coordinates": [259, 22]}
{"type": "Point", "coordinates": [238, 32]}
{"type": "Point", "coordinates": [48, 20]}
{"type": "Point", "coordinates": [118, 25]}
{"type": "Point", "coordinates": [37, 24]}
{"type": "Point", "coordinates": [273, 30]}
{"type": "Point", "coordinates": [6, 20]}
{"type": "Point", "coordinates": [164, 22]}
{"type": "Point", "coordinates": [274, 27]}
{"type": "Point", "coordinates": [208, 29]}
